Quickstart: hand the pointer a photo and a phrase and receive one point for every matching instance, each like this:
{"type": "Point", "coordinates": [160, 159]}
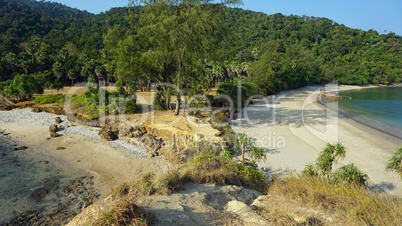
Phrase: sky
{"type": "Point", "coordinates": [383, 16]}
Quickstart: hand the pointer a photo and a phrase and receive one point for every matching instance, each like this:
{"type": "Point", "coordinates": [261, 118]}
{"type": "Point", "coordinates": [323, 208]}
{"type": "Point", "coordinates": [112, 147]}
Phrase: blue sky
{"type": "Point", "coordinates": [385, 15]}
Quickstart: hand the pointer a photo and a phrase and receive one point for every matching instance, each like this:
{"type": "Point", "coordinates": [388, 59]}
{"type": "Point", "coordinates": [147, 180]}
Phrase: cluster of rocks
{"type": "Point", "coordinates": [152, 143]}
{"type": "Point", "coordinates": [4, 106]}
{"type": "Point", "coordinates": [54, 128]}
{"type": "Point", "coordinates": [107, 134]}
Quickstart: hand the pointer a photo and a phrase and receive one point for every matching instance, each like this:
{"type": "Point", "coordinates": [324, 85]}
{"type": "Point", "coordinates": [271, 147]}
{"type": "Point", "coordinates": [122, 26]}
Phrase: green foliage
{"type": "Point", "coordinates": [347, 175]}
{"type": "Point", "coordinates": [130, 107]}
{"type": "Point", "coordinates": [194, 46]}
{"type": "Point", "coordinates": [231, 88]}
{"type": "Point", "coordinates": [210, 169]}
{"type": "Point", "coordinates": [96, 102]}
{"type": "Point", "coordinates": [247, 144]}
{"type": "Point", "coordinates": [350, 175]}
{"type": "Point", "coordinates": [50, 99]}
{"type": "Point", "coordinates": [328, 156]}
{"type": "Point", "coordinates": [395, 162]}
{"type": "Point", "coordinates": [22, 87]}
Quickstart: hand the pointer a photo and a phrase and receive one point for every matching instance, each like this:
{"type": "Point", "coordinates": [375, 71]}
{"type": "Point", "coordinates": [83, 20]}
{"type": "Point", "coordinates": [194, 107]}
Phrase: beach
{"type": "Point", "coordinates": [294, 128]}
{"type": "Point", "coordinates": [80, 149]}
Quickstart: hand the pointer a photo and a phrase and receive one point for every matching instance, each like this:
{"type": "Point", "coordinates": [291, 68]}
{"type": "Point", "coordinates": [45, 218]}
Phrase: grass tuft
{"type": "Point", "coordinates": [356, 204]}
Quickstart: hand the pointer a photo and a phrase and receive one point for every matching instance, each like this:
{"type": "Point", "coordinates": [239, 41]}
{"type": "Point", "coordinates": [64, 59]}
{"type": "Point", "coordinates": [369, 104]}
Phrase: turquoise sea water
{"type": "Point", "coordinates": [378, 107]}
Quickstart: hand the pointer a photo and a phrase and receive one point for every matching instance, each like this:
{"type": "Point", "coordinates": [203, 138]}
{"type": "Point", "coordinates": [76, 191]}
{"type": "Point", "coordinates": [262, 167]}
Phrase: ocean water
{"type": "Point", "coordinates": [380, 108]}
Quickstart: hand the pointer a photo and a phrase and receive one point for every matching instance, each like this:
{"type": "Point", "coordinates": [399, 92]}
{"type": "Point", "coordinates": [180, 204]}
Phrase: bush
{"type": "Point", "coordinates": [130, 107]}
{"type": "Point", "coordinates": [50, 99]}
{"type": "Point", "coordinates": [395, 162]}
{"type": "Point", "coordinates": [22, 87]}
{"type": "Point", "coordinates": [231, 88]}
{"type": "Point", "coordinates": [349, 175]}
{"type": "Point", "coordinates": [209, 169]}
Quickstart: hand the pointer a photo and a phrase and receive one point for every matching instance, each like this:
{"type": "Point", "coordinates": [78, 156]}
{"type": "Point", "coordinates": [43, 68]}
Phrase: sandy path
{"type": "Point", "coordinates": [294, 129]}
{"type": "Point", "coordinates": [109, 166]}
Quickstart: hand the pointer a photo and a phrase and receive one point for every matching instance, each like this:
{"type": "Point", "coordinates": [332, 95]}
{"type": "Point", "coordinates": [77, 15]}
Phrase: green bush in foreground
{"type": "Point", "coordinates": [347, 175]}
{"type": "Point", "coordinates": [395, 162]}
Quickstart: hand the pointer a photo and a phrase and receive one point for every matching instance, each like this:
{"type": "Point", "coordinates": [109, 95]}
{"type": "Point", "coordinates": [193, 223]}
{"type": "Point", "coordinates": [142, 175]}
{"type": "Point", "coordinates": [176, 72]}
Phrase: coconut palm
{"type": "Point", "coordinates": [395, 162]}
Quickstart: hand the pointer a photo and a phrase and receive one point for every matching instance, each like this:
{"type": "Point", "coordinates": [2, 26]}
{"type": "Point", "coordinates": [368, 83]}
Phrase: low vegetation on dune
{"type": "Point", "coordinates": [395, 162]}
{"type": "Point", "coordinates": [203, 169]}
{"type": "Point", "coordinates": [354, 205]}
{"type": "Point", "coordinates": [345, 198]}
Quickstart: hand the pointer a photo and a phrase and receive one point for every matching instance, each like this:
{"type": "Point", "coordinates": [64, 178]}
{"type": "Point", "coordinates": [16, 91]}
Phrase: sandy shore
{"type": "Point", "coordinates": [110, 166]}
{"type": "Point", "coordinates": [294, 128]}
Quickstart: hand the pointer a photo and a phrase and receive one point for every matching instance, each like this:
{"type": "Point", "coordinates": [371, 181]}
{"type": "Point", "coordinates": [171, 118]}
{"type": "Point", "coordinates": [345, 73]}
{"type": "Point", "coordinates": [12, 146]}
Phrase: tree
{"type": "Point", "coordinates": [395, 162]}
{"type": "Point", "coordinates": [328, 156]}
{"type": "Point", "coordinates": [23, 87]}
{"type": "Point", "coordinates": [175, 35]}
{"type": "Point", "coordinates": [246, 144]}
{"type": "Point", "coordinates": [72, 74]}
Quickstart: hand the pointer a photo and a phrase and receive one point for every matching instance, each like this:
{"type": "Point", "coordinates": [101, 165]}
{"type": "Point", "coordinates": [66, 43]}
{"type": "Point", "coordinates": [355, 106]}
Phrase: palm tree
{"type": "Point", "coordinates": [329, 155]}
{"type": "Point", "coordinates": [395, 162]}
{"type": "Point", "coordinates": [246, 144]}
{"type": "Point", "coordinates": [72, 75]}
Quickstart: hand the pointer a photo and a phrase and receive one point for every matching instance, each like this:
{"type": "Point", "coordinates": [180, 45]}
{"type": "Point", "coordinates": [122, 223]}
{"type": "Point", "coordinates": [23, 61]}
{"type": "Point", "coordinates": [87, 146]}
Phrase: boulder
{"type": "Point", "coordinates": [137, 134]}
{"type": "Point", "coordinates": [20, 148]}
{"type": "Point", "coordinates": [152, 143]}
{"type": "Point", "coordinates": [245, 212]}
{"type": "Point", "coordinates": [58, 120]}
{"type": "Point", "coordinates": [36, 110]}
{"type": "Point", "coordinates": [54, 134]}
{"type": "Point", "coordinates": [107, 135]}
{"type": "Point", "coordinates": [53, 128]}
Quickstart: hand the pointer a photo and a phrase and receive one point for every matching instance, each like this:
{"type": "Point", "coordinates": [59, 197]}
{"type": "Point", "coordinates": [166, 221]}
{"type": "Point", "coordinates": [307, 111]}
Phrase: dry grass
{"type": "Point", "coordinates": [203, 169]}
{"type": "Point", "coordinates": [356, 205]}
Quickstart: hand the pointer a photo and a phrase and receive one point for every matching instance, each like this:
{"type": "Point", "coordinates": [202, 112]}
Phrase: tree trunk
{"type": "Point", "coordinates": [178, 90]}
{"type": "Point", "coordinates": [242, 156]}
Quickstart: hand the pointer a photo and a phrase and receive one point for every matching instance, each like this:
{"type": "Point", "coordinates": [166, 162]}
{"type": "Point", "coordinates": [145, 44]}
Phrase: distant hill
{"type": "Point", "coordinates": [353, 56]}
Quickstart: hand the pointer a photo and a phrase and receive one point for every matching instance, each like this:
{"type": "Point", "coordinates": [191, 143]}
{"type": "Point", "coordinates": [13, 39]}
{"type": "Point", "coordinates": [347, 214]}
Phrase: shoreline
{"type": "Point", "coordinates": [304, 127]}
{"type": "Point", "coordinates": [364, 121]}
{"type": "Point", "coordinates": [109, 162]}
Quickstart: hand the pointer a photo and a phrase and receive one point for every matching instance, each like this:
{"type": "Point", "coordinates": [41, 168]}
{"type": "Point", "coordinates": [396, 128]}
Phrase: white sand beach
{"type": "Point", "coordinates": [294, 129]}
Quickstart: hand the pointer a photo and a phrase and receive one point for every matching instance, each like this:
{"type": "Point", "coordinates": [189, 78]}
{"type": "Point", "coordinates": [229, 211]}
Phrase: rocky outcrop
{"type": "Point", "coordinates": [57, 120]}
{"type": "Point", "coordinates": [245, 212]}
{"type": "Point", "coordinates": [196, 204]}
{"type": "Point", "coordinates": [53, 128]}
{"type": "Point", "coordinates": [54, 135]}
{"type": "Point", "coordinates": [107, 135]}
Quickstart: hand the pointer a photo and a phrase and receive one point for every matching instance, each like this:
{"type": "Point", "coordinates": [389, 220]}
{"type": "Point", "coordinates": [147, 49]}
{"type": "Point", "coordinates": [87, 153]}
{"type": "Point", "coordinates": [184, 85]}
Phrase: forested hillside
{"type": "Point", "coordinates": [59, 45]}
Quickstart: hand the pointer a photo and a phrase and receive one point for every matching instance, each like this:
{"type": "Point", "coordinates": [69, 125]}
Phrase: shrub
{"type": "Point", "coordinates": [350, 175]}
{"type": "Point", "coordinates": [231, 88]}
{"type": "Point", "coordinates": [22, 87]}
{"type": "Point", "coordinates": [50, 99]}
{"type": "Point", "coordinates": [130, 107]}
{"type": "Point", "coordinates": [395, 162]}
